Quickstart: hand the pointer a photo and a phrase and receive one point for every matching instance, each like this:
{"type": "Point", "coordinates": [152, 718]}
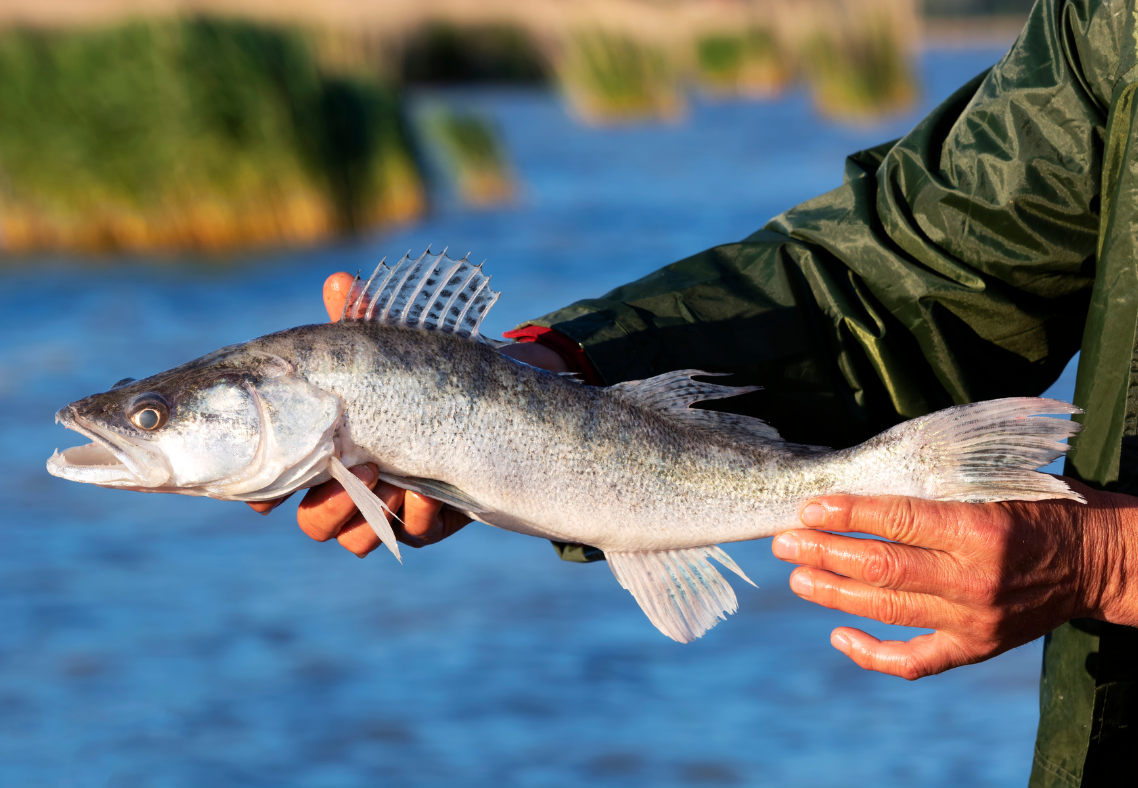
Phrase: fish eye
{"type": "Point", "coordinates": [149, 411]}
{"type": "Point", "coordinates": [123, 382]}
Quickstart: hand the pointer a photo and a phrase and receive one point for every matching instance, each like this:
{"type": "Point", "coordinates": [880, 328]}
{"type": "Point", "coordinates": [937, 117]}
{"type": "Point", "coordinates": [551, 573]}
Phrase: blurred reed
{"type": "Point", "coordinates": [751, 62]}
{"type": "Point", "coordinates": [191, 134]}
{"type": "Point", "coordinates": [611, 77]}
{"type": "Point", "coordinates": [471, 154]}
{"type": "Point", "coordinates": [857, 67]}
{"type": "Point", "coordinates": [208, 132]}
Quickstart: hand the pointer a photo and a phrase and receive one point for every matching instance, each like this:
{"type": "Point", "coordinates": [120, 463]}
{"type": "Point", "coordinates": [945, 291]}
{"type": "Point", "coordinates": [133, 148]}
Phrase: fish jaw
{"type": "Point", "coordinates": [110, 461]}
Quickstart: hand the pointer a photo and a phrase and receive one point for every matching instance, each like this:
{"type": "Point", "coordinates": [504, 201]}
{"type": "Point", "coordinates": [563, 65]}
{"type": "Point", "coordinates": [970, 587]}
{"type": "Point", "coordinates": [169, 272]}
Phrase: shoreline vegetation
{"type": "Point", "coordinates": [139, 127]}
{"type": "Point", "coordinates": [197, 134]}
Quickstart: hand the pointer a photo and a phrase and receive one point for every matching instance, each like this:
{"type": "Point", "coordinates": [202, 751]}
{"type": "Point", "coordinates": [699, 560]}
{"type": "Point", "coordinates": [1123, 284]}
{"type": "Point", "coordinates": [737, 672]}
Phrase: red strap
{"type": "Point", "coordinates": [565, 347]}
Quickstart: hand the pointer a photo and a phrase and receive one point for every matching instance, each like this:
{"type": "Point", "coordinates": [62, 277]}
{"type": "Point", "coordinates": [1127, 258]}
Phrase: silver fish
{"type": "Point", "coordinates": [404, 380]}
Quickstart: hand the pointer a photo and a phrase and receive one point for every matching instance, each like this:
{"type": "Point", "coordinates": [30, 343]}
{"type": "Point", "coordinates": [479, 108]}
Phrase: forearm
{"type": "Point", "coordinates": [1108, 545]}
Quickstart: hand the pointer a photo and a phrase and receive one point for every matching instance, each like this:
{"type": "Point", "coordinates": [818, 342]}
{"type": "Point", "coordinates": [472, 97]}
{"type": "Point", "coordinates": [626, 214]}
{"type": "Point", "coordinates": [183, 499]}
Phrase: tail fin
{"type": "Point", "coordinates": [988, 451]}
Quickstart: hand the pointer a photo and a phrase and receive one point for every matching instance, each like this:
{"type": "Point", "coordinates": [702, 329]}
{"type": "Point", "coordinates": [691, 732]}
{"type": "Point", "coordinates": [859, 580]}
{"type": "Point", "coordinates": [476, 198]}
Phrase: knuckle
{"type": "Point", "coordinates": [880, 566]}
{"type": "Point", "coordinates": [986, 530]}
{"type": "Point", "coordinates": [986, 589]}
{"type": "Point", "coordinates": [888, 609]}
{"type": "Point", "coordinates": [911, 669]}
{"type": "Point", "coordinates": [901, 519]}
{"type": "Point", "coordinates": [986, 626]}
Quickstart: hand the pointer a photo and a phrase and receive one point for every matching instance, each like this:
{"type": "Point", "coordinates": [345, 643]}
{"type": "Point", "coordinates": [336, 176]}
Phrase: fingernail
{"type": "Point", "coordinates": [802, 584]}
{"type": "Point", "coordinates": [365, 473]}
{"type": "Point", "coordinates": [813, 515]}
{"type": "Point", "coordinates": [785, 547]}
{"type": "Point", "coordinates": [840, 641]}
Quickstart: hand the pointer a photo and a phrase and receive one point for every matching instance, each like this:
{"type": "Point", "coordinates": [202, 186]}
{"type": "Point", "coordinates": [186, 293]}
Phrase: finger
{"type": "Point", "coordinates": [536, 355]}
{"type": "Point", "coordinates": [264, 507]}
{"type": "Point", "coordinates": [336, 289]}
{"type": "Point", "coordinates": [326, 508]}
{"type": "Point", "coordinates": [900, 608]}
{"type": "Point", "coordinates": [871, 561]}
{"type": "Point", "coordinates": [421, 518]}
{"type": "Point", "coordinates": [359, 537]}
{"type": "Point", "coordinates": [452, 522]}
{"type": "Point", "coordinates": [913, 521]}
{"type": "Point", "coordinates": [924, 655]}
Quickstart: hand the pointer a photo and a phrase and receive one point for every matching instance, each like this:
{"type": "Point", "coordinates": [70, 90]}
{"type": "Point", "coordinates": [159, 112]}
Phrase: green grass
{"type": "Point", "coordinates": [609, 76]}
{"type": "Point", "coordinates": [471, 154]}
{"type": "Point", "coordinates": [751, 62]}
{"type": "Point", "coordinates": [859, 76]}
{"type": "Point", "coordinates": [188, 133]}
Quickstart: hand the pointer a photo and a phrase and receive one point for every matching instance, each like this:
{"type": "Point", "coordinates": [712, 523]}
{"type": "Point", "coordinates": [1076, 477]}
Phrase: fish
{"type": "Point", "coordinates": [406, 380]}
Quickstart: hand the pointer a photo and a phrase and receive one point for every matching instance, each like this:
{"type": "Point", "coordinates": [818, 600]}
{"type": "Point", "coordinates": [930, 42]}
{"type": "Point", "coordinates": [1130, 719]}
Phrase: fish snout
{"type": "Point", "coordinates": [111, 460]}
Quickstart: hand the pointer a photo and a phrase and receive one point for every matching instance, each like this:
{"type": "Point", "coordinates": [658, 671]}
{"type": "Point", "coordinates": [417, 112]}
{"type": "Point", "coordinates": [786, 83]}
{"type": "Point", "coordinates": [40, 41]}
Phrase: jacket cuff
{"type": "Point", "coordinates": [612, 338]}
{"type": "Point", "coordinates": [572, 352]}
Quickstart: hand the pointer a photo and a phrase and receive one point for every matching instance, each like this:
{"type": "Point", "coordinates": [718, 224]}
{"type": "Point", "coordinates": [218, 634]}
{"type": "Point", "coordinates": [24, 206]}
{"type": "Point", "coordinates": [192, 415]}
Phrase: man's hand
{"type": "Point", "coordinates": [327, 511]}
{"type": "Point", "coordinates": [985, 577]}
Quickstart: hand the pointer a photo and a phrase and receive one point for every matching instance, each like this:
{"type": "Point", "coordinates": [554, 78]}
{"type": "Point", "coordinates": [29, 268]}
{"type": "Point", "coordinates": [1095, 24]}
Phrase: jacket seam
{"type": "Point", "coordinates": [1055, 769]}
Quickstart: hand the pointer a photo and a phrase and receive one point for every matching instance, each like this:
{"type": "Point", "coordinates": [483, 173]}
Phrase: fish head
{"type": "Point", "coordinates": [234, 425]}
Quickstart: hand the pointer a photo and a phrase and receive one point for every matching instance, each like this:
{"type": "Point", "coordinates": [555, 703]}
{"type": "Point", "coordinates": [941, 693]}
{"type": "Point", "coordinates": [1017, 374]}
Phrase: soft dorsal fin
{"type": "Point", "coordinates": [674, 392]}
{"type": "Point", "coordinates": [429, 291]}
{"type": "Point", "coordinates": [677, 390]}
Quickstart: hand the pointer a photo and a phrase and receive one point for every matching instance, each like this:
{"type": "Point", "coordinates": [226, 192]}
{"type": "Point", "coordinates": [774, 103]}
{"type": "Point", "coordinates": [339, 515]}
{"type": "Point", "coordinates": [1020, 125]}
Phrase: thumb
{"type": "Point", "coordinates": [336, 289]}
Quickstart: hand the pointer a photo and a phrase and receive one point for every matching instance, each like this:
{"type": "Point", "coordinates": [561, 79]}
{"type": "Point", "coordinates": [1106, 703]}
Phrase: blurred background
{"type": "Point", "coordinates": [178, 176]}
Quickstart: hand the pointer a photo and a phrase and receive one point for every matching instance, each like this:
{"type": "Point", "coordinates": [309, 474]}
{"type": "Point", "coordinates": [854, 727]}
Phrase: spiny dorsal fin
{"type": "Point", "coordinates": [429, 291]}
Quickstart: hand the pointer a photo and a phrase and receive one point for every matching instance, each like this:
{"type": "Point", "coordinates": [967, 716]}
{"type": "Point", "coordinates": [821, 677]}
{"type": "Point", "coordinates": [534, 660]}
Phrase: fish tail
{"type": "Point", "coordinates": [987, 451]}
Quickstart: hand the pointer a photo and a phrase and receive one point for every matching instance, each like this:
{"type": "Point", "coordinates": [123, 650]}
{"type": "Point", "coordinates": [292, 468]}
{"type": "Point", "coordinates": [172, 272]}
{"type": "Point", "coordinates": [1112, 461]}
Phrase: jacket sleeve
{"type": "Point", "coordinates": [952, 265]}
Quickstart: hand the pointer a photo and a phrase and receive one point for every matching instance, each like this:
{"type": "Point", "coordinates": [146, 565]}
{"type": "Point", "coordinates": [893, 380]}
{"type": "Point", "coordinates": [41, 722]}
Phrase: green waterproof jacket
{"type": "Point", "coordinates": [967, 261]}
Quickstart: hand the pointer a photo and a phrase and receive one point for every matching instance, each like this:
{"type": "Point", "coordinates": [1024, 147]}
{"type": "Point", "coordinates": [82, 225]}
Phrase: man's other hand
{"type": "Point", "coordinates": [985, 577]}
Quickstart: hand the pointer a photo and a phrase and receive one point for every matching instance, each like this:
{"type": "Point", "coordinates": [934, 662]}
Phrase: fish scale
{"type": "Point", "coordinates": [405, 380]}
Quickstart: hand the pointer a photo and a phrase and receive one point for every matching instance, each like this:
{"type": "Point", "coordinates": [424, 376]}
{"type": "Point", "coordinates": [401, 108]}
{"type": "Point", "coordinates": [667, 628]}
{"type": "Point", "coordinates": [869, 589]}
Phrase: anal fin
{"type": "Point", "coordinates": [680, 591]}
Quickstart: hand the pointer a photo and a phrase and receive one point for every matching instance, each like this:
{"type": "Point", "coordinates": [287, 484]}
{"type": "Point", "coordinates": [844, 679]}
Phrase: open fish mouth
{"type": "Point", "coordinates": [111, 461]}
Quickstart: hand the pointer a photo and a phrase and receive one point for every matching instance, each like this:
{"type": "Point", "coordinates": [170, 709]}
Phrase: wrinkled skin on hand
{"type": "Point", "coordinates": [985, 577]}
{"type": "Point", "coordinates": [327, 512]}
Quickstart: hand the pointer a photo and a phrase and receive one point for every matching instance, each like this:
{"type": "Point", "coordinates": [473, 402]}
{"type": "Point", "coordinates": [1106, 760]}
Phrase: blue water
{"type": "Point", "coordinates": [159, 641]}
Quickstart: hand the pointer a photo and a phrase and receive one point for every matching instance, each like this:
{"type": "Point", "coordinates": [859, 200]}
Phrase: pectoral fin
{"type": "Point", "coordinates": [682, 594]}
{"type": "Point", "coordinates": [371, 507]}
